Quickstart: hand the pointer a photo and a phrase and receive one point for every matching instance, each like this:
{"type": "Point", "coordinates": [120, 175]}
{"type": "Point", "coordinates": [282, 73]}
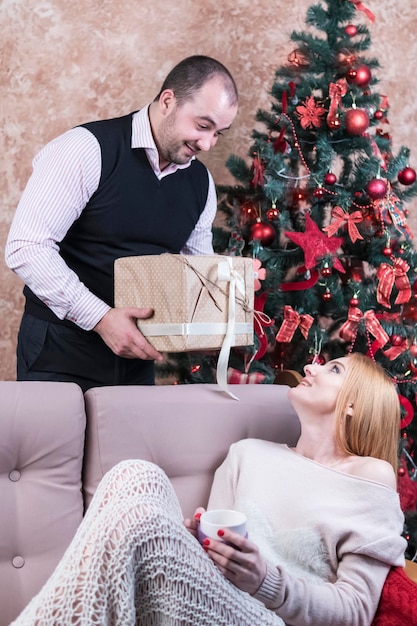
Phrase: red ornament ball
{"type": "Point", "coordinates": [356, 121]}
{"type": "Point", "coordinates": [330, 178]}
{"type": "Point", "coordinates": [334, 123]}
{"type": "Point", "coordinates": [377, 188]}
{"type": "Point", "coordinates": [346, 57]}
{"type": "Point", "coordinates": [248, 209]}
{"type": "Point", "coordinates": [410, 312]}
{"type": "Point", "coordinates": [318, 359]}
{"type": "Point", "coordinates": [387, 251]}
{"type": "Point", "coordinates": [396, 340]}
{"type": "Point", "coordinates": [265, 233]}
{"type": "Point", "coordinates": [327, 296]}
{"type": "Point", "coordinates": [363, 76]}
{"type": "Point", "coordinates": [351, 30]}
{"type": "Point", "coordinates": [272, 213]}
{"type": "Point", "coordinates": [326, 271]}
{"type": "Point", "coordinates": [319, 192]}
{"type": "Point", "coordinates": [351, 75]}
{"type": "Point", "coordinates": [354, 302]}
{"type": "Point", "coordinates": [379, 114]}
{"type": "Point", "coordinates": [407, 176]}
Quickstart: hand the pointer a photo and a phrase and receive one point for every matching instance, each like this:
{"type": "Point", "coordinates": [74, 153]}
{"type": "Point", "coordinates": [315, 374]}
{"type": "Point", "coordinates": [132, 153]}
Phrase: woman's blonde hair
{"type": "Point", "coordinates": [373, 427]}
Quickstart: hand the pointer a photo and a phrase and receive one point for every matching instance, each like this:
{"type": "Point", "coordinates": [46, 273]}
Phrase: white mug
{"type": "Point", "coordinates": [216, 519]}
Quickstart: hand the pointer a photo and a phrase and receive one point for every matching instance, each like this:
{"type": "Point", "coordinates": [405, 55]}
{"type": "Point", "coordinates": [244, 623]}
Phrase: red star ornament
{"type": "Point", "coordinates": [316, 244]}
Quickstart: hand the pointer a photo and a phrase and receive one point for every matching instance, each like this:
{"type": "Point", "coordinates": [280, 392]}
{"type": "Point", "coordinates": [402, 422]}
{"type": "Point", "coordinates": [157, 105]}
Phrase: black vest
{"type": "Point", "coordinates": [131, 213]}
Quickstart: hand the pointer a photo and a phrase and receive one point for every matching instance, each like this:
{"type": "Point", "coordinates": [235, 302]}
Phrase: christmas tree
{"type": "Point", "coordinates": [321, 207]}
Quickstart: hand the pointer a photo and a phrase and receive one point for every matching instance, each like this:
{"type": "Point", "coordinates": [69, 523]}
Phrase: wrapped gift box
{"type": "Point", "coordinates": [197, 299]}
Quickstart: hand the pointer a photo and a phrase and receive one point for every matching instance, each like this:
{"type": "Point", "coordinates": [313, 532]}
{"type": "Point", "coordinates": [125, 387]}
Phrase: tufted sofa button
{"type": "Point", "coordinates": [18, 562]}
{"type": "Point", "coordinates": [14, 475]}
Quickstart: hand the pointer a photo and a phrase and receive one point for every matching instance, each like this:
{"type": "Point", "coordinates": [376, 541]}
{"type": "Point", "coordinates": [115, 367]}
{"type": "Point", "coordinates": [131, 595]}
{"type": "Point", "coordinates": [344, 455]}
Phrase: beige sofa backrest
{"type": "Point", "coordinates": [42, 428]}
{"type": "Point", "coordinates": [185, 429]}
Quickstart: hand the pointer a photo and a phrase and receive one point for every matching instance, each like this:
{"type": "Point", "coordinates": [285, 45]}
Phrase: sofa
{"type": "Point", "coordinates": [56, 444]}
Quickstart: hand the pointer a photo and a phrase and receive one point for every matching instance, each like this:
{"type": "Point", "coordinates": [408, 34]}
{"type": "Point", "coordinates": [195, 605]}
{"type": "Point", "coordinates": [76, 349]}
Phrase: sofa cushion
{"type": "Point", "coordinates": [185, 429]}
{"type": "Point", "coordinates": [42, 426]}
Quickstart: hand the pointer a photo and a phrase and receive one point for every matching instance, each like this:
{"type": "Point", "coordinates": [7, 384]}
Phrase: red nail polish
{"type": "Point", "coordinates": [220, 532]}
{"type": "Point", "coordinates": [206, 542]}
{"type": "Point", "coordinates": [197, 516]}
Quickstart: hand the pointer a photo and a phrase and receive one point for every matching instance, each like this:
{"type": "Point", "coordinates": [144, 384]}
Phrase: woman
{"type": "Point", "coordinates": [324, 526]}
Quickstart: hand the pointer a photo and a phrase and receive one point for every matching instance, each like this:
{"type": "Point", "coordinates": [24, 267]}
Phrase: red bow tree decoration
{"type": "Point", "coordinates": [389, 210]}
{"type": "Point", "coordinates": [260, 321]}
{"type": "Point", "coordinates": [408, 411]}
{"type": "Point", "coordinates": [258, 172]}
{"type": "Point", "coordinates": [349, 329]}
{"type": "Point", "coordinates": [388, 275]}
{"type": "Point", "coordinates": [393, 352]}
{"type": "Point", "coordinates": [280, 144]}
{"type": "Point", "coordinates": [340, 217]}
{"type": "Point", "coordinates": [292, 321]}
{"type": "Point", "coordinates": [407, 489]}
{"type": "Point", "coordinates": [361, 7]}
{"type": "Point", "coordinates": [336, 92]}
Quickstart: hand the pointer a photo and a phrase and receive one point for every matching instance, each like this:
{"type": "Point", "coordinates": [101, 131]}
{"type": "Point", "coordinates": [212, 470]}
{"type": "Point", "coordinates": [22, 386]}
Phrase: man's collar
{"type": "Point", "coordinates": [141, 130]}
{"type": "Point", "coordinates": [142, 138]}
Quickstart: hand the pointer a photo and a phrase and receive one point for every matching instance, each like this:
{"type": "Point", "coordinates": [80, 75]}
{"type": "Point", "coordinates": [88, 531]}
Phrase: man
{"type": "Point", "coordinates": [108, 189]}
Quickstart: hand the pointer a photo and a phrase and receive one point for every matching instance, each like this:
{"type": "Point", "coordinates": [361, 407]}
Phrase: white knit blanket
{"type": "Point", "coordinates": [132, 562]}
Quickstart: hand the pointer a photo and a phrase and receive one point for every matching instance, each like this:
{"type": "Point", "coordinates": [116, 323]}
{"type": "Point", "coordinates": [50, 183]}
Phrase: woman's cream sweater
{"type": "Point", "coordinates": [329, 538]}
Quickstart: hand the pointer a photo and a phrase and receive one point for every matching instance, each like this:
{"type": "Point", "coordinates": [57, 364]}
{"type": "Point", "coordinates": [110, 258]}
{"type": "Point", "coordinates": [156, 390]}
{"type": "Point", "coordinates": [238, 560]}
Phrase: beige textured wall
{"type": "Point", "coordinates": [64, 63]}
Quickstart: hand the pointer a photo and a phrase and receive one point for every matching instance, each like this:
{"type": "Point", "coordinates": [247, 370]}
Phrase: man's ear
{"type": "Point", "coordinates": [349, 410]}
{"type": "Point", "coordinates": [166, 101]}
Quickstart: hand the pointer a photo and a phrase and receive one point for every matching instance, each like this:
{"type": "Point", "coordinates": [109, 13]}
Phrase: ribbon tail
{"type": "Point", "coordinates": [304, 284]}
{"type": "Point", "coordinates": [361, 7]}
{"type": "Point", "coordinates": [403, 296]}
{"type": "Point", "coordinates": [263, 342]}
{"type": "Point", "coordinates": [376, 329]}
{"type": "Point", "coordinates": [353, 231]}
{"type": "Point", "coordinates": [332, 228]}
{"type": "Point", "coordinates": [223, 360]}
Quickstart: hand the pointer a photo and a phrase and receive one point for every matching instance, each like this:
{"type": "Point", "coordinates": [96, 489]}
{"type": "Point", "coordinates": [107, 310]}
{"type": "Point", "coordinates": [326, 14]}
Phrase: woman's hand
{"type": "Point", "coordinates": [241, 563]}
{"type": "Point", "coordinates": [192, 524]}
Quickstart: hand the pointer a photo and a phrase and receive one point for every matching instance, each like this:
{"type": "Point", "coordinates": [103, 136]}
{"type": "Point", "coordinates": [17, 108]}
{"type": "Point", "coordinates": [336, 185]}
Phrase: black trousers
{"type": "Point", "coordinates": [49, 351]}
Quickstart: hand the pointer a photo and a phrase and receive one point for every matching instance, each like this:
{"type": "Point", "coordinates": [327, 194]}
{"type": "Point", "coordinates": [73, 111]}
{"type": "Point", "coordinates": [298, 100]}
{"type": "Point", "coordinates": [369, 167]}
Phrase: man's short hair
{"type": "Point", "coordinates": [188, 76]}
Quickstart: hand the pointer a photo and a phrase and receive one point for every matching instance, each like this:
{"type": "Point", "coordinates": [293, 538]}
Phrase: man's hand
{"type": "Point", "coordinates": [119, 331]}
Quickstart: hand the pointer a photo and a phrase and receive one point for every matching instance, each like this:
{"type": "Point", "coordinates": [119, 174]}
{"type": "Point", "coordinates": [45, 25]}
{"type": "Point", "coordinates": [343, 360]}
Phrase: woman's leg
{"type": "Point", "coordinates": [132, 562]}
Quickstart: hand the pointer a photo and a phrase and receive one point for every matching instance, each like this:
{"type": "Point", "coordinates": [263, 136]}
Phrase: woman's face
{"type": "Point", "coordinates": [319, 388]}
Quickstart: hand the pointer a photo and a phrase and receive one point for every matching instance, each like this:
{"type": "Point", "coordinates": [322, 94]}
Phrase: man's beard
{"type": "Point", "coordinates": [171, 147]}
{"type": "Point", "coordinates": [174, 153]}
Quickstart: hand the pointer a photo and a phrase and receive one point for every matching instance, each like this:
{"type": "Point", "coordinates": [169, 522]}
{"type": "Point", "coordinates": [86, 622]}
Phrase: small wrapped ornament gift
{"type": "Point", "coordinates": [200, 302]}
